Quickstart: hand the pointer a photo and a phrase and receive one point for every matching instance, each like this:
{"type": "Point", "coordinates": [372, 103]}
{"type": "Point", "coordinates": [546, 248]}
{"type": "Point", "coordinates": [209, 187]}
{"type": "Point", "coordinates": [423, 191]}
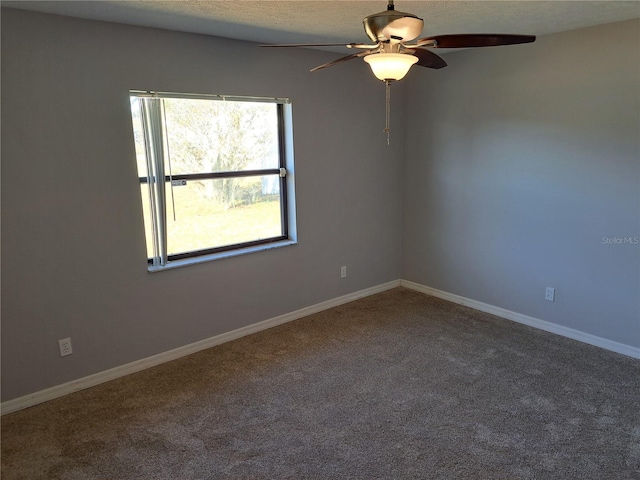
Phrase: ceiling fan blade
{"type": "Point", "coordinates": [470, 40]}
{"type": "Point", "coordinates": [340, 60]}
{"type": "Point", "coordinates": [427, 59]}
{"type": "Point", "coordinates": [302, 45]}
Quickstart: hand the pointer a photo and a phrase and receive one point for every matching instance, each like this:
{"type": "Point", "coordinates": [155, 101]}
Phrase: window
{"type": "Point", "coordinates": [215, 175]}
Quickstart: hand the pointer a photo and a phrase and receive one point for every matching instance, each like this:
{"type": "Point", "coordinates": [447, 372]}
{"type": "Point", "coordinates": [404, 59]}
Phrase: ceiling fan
{"type": "Point", "coordinates": [390, 55]}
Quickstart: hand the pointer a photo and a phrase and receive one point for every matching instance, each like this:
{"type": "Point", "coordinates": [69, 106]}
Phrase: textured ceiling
{"type": "Point", "coordinates": [341, 21]}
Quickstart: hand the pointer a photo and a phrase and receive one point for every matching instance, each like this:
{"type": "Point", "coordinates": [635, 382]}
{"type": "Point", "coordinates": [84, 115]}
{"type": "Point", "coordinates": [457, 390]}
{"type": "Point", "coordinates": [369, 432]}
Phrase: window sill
{"type": "Point", "coordinates": [221, 255]}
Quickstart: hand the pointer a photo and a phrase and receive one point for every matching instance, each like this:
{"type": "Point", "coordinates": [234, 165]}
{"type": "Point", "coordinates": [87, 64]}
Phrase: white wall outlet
{"type": "Point", "coordinates": [343, 272]}
{"type": "Point", "coordinates": [550, 294]}
{"type": "Point", "coordinates": [65, 347]}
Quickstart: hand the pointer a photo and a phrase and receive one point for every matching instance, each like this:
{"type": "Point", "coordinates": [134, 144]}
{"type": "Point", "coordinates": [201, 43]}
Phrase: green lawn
{"type": "Point", "coordinates": [204, 223]}
{"type": "Point", "coordinates": [220, 227]}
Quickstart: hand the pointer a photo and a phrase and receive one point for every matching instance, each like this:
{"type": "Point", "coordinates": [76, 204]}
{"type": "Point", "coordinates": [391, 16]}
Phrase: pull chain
{"type": "Point", "coordinates": [387, 128]}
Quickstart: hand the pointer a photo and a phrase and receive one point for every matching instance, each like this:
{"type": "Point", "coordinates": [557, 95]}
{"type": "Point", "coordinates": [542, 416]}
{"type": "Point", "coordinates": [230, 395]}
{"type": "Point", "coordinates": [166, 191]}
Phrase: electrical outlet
{"type": "Point", "coordinates": [550, 294]}
{"type": "Point", "coordinates": [65, 347]}
{"type": "Point", "coordinates": [343, 272]}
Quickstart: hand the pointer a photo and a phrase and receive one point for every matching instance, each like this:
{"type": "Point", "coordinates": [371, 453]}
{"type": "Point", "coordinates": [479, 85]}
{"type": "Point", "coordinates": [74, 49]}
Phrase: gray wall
{"type": "Point", "coordinates": [73, 250]}
{"type": "Point", "coordinates": [519, 160]}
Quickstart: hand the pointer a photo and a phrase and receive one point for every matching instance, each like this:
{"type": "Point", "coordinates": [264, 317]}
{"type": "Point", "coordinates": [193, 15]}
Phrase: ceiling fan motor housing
{"type": "Point", "coordinates": [392, 26]}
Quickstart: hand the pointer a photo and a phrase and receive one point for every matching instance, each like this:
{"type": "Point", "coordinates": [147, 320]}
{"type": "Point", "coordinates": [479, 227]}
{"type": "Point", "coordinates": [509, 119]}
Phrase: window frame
{"type": "Point", "coordinates": [154, 132]}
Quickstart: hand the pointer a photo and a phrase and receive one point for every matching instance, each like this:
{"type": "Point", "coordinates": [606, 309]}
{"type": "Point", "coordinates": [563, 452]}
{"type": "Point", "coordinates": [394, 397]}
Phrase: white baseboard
{"type": "Point", "coordinates": [526, 320]}
{"type": "Point", "coordinates": [117, 372]}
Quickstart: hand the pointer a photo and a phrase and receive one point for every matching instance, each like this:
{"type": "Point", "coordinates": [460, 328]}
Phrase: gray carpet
{"type": "Point", "coordinates": [394, 386]}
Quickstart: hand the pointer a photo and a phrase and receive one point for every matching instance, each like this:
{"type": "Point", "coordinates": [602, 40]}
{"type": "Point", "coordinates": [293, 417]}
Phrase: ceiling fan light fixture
{"type": "Point", "coordinates": [390, 66]}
